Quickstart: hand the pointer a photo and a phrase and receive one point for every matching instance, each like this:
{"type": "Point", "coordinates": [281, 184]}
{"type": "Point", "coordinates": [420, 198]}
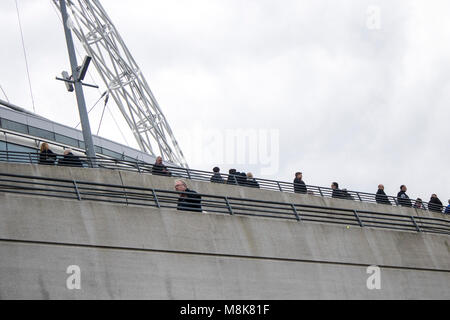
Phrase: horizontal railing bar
{"type": "Point", "coordinates": [91, 191]}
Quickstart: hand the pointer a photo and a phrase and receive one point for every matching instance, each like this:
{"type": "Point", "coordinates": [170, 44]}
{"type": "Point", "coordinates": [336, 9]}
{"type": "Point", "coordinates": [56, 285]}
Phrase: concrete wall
{"type": "Point", "coordinates": [132, 252]}
{"type": "Point", "coordinates": [147, 253]}
{"type": "Point", "coordinates": [147, 180]}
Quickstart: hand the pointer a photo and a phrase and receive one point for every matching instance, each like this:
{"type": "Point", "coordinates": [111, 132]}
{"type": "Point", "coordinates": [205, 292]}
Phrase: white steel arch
{"type": "Point", "coordinates": [124, 80]}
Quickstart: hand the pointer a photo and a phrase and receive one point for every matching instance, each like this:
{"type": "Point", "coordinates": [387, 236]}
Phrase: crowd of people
{"type": "Point", "coordinates": [189, 200]}
{"type": "Point", "coordinates": [235, 177]}
{"type": "Point", "coordinates": [402, 199]}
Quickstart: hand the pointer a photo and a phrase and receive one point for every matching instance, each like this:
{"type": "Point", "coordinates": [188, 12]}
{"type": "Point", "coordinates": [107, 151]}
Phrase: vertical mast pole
{"type": "Point", "coordinates": [84, 119]}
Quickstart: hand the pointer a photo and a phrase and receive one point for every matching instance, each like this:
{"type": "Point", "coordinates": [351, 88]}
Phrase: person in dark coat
{"type": "Point", "coordinates": [251, 182]}
{"type": "Point", "coordinates": [189, 200]}
{"type": "Point", "coordinates": [381, 196]}
{"type": "Point", "coordinates": [337, 193]}
{"type": "Point", "coordinates": [46, 156]}
{"type": "Point", "coordinates": [232, 177]}
{"type": "Point", "coordinates": [70, 159]}
{"type": "Point", "coordinates": [160, 169]}
{"type": "Point", "coordinates": [435, 204]}
{"type": "Point", "coordinates": [241, 178]}
{"type": "Point", "coordinates": [347, 195]}
{"type": "Point", "coordinates": [403, 198]}
{"type": "Point", "coordinates": [299, 184]}
{"type": "Point", "coordinates": [216, 177]}
{"type": "Point", "coordinates": [418, 204]}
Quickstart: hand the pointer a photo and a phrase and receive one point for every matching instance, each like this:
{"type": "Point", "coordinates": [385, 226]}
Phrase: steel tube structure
{"type": "Point", "coordinates": [123, 79]}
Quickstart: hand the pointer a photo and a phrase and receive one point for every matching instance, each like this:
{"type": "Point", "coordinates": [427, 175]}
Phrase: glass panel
{"type": "Point", "coordinates": [3, 151]}
{"type": "Point", "coordinates": [42, 133]}
{"type": "Point", "coordinates": [14, 126]}
{"type": "Point", "coordinates": [66, 140]}
{"type": "Point", "coordinates": [21, 157]}
{"type": "Point", "coordinates": [112, 154]}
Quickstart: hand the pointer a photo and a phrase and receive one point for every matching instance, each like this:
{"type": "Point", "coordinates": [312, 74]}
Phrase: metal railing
{"type": "Point", "coordinates": [266, 184]}
{"type": "Point", "coordinates": [129, 195]}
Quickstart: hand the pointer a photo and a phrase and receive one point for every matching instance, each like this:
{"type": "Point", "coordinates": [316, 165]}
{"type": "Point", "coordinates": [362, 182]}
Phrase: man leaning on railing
{"type": "Point", "coordinates": [381, 196]}
{"type": "Point", "coordinates": [403, 198]}
{"type": "Point", "coordinates": [299, 184]}
{"type": "Point", "coordinates": [189, 200]}
{"type": "Point", "coordinates": [160, 169]}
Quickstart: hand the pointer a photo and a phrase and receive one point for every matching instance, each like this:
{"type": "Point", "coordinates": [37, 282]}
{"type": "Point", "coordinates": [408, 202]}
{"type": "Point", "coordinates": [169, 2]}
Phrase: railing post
{"type": "Point", "coordinates": [279, 186]}
{"type": "Point", "coordinates": [295, 212]}
{"type": "Point", "coordinates": [320, 191]}
{"type": "Point", "coordinates": [357, 218]}
{"type": "Point", "coordinates": [76, 190]}
{"type": "Point", "coordinates": [156, 198]}
{"type": "Point", "coordinates": [359, 197]}
{"type": "Point", "coordinates": [29, 155]}
{"type": "Point", "coordinates": [230, 210]}
{"type": "Point", "coordinates": [139, 168]}
{"type": "Point", "coordinates": [188, 173]}
{"type": "Point", "coordinates": [395, 201]}
{"type": "Point", "coordinates": [415, 224]}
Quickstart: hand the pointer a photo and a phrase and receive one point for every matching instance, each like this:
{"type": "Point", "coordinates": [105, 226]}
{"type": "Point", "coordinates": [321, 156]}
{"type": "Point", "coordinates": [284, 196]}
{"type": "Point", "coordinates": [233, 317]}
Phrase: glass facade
{"type": "Point", "coordinates": [49, 136]}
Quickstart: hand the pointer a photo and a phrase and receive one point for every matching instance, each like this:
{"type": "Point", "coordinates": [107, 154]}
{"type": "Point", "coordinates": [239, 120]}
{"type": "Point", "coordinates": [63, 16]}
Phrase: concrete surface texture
{"type": "Point", "coordinates": [127, 252]}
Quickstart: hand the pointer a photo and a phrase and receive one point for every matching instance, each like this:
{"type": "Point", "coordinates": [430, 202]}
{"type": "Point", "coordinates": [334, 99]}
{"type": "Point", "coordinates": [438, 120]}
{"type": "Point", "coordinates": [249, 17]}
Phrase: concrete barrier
{"type": "Point", "coordinates": [142, 252]}
{"type": "Point", "coordinates": [160, 182]}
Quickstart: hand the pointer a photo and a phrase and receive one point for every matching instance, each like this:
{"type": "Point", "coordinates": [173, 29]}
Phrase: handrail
{"type": "Point", "coordinates": [130, 195]}
{"type": "Point", "coordinates": [266, 184]}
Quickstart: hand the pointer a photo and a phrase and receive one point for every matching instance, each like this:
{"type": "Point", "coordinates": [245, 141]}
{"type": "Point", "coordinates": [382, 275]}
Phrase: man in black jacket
{"type": "Point", "coordinates": [70, 159]}
{"type": "Point", "coordinates": [403, 198]}
{"type": "Point", "coordinates": [337, 193]}
{"type": "Point", "coordinates": [251, 182]}
{"type": "Point", "coordinates": [159, 168]}
{"type": "Point", "coordinates": [217, 178]}
{"type": "Point", "coordinates": [189, 200]}
{"type": "Point", "coordinates": [299, 184]}
{"type": "Point", "coordinates": [381, 196]}
{"type": "Point", "coordinates": [435, 204]}
{"type": "Point", "coordinates": [232, 177]}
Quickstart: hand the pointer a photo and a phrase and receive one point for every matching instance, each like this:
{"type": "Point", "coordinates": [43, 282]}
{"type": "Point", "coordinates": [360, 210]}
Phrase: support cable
{"type": "Point", "coordinates": [4, 93]}
{"type": "Point", "coordinates": [25, 55]}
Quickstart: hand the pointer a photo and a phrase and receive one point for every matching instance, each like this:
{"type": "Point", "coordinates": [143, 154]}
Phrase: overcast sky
{"type": "Point", "coordinates": [352, 91]}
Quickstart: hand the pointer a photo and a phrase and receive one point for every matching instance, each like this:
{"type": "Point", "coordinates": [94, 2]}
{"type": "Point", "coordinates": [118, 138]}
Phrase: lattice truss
{"type": "Point", "coordinates": [123, 78]}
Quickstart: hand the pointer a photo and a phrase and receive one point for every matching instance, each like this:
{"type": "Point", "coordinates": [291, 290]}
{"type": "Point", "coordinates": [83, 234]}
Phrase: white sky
{"type": "Point", "coordinates": [352, 104]}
